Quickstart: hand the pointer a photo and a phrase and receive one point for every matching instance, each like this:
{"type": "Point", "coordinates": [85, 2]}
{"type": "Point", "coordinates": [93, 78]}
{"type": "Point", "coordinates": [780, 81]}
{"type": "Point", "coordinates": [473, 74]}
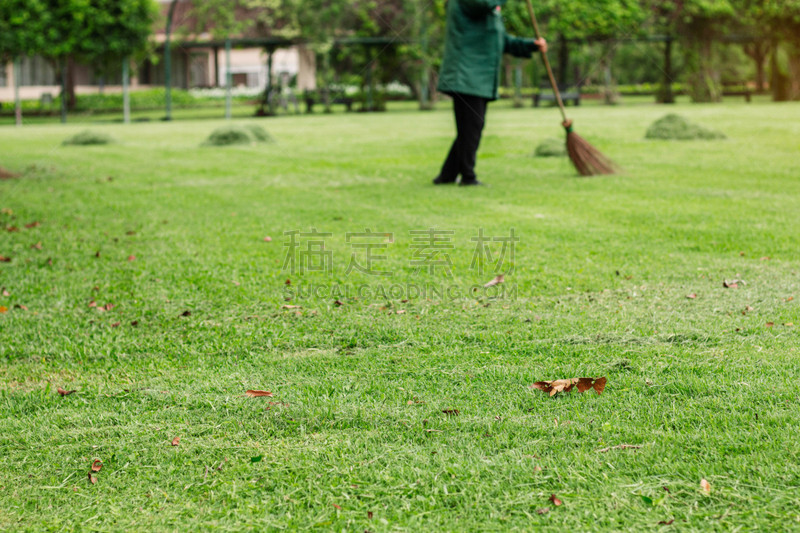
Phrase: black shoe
{"type": "Point", "coordinates": [442, 181]}
{"type": "Point", "coordinates": [471, 183]}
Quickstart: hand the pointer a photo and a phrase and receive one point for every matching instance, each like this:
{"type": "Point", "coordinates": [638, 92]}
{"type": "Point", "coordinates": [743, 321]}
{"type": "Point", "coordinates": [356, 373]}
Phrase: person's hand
{"type": "Point", "coordinates": [542, 44]}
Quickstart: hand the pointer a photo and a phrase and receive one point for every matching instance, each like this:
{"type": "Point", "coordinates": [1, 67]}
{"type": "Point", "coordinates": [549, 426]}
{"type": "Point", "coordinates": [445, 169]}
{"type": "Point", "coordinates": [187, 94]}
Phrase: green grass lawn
{"type": "Point", "coordinates": [356, 436]}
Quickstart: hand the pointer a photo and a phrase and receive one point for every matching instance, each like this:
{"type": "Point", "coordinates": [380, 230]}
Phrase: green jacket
{"type": "Point", "coordinates": [474, 46]}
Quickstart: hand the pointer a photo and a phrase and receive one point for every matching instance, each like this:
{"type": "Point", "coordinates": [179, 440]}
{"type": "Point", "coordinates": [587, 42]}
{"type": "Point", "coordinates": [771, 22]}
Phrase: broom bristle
{"type": "Point", "coordinates": [588, 160]}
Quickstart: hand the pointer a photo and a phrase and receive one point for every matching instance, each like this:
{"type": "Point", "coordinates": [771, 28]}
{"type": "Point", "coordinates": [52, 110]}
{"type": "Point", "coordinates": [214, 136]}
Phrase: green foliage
{"type": "Point", "coordinates": [88, 138]}
{"type": "Point", "coordinates": [676, 127]}
{"type": "Point", "coordinates": [228, 135]}
{"type": "Point", "coordinates": [551, 147]}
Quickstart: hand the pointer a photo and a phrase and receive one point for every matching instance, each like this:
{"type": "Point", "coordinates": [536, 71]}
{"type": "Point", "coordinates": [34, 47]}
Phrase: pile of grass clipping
{"type": "Point", "coordinates": [551, 148]}
{"type": "Point", "coordinates": [88, 138]}
{"type": "Point", "coordinates": [227, 135]}
{"type": "Point", "coordinates": [675, 127]}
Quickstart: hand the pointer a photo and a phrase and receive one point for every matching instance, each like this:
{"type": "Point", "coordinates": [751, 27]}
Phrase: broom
{"type": "Point", "coordinates": [587, 159]}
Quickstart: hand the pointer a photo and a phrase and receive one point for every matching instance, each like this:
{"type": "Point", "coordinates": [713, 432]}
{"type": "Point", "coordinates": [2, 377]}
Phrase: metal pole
{"type": "Point", "coordinates": [17, 101]}
{"type": "Point", "coordinates": [228, 80]}
{"type": "Point", "coordinates": [126, 96]}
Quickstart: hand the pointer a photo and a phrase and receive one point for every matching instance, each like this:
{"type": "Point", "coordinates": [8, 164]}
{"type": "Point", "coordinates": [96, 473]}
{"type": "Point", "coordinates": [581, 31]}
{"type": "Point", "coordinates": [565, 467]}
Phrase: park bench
{"type": "Point", "coordinates": [311, 100]}
{"type": "Point", "coordinates": [737, 90]}
{"type": "Point", "coordinates": [568, 93]}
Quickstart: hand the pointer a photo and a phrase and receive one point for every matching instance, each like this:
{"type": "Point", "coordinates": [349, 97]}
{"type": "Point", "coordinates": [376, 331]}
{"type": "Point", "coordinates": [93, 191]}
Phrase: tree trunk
{"type": "Point", "coordinates": [703, 80]}
{"type": "Point", "coordinates": [70, 84]}
{"type": "Point", "coordinates": [665, 95]}
{"type": "Point", "coordinates": [779, 80]}
{"type": "Point", "coordinates": [758, 52]}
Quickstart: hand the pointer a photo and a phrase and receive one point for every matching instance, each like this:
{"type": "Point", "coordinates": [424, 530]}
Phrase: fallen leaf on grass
{"type": "Point", "coordinates": [770, 324]}
{"type": "Point", "coordinates": [258, 393]}
{"type": "Point", "coordinates": [131, 258]}
{"type": "Point", "coordinates": [337, 506]}
{"type": "Point", "coordinates": [4, 259]}
{"type": "Point", "coordinates": [97, 465]}
{"type": "Point", "coordinates": [730, 284]}
{"type": "Point", "coordinates": [496, 281]}
{"type": "Point", "coordinates": [619, 447]}
{"type": "Point", "coordinates": [338, 303]}
{"type": "Point", "coordinates": [369, 515]}
{"type": "Point", "coordinates": [12, 229]}
{"type": "Point", "coordinates": [115, 325]}
{"type": "Point", "coordinates": [186, 313]}
{"type": "Point", "coordinates": [37, 246]}
{"type": "Point", "coordinates": [666, 523]}
{"type": "Point", "coordinates": [92, 479]}
{"type": "Point", "coordinates": [691, 296]}
{"type": "Point", "coordinates": [566, 385]}
{"type": "Point", "coordinates": [5, 292]}
{"type": "Point", "coordinates": [789, 324]}
{"type": "Point", "coordinates": [3, 309]}
{"type": "Point", "coordinates": [92, 304]}
{"type": "Point", "coordinates": [32, 225]}
{"type": "Point", "coordinates": [176, 441]}
{"type": "Point", "coordinates": [766, 258]}
{"type": "Point", "coordinates": [706, 486]}
{"type": "Point", "coordinates": [291, 306]}
{"type": "Point", "coordinates": [267, 239]}
{"type": "Point", "coordinates": [451, 412]}
{"type": "Point", "coordinates": [63, 392]}
{"type": "Point", "coordinates": [555, 500]}
{"type": "Point", "coordinates": [790, 298]}
{"type": "Point", "coordinates": [544, 510]}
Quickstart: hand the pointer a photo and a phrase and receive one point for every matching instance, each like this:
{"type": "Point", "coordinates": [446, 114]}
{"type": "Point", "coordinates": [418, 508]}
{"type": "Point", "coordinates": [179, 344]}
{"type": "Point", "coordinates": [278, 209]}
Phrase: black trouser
{"type": "Point", "coordinates": [470, 114]}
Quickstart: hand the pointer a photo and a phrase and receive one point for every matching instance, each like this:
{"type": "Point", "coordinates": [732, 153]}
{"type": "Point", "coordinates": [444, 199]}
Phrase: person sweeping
{"type": "Point", "coordinates": [475, 42]}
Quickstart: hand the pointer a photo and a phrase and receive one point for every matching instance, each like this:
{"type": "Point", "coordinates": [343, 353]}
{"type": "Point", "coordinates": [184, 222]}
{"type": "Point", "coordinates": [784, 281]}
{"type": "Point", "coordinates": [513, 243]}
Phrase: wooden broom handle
{"type": "Point", "coordinates": [547, 63]}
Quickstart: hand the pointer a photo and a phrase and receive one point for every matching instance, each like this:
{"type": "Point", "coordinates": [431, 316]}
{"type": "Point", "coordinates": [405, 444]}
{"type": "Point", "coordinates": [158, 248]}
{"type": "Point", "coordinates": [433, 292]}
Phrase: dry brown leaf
{"type": "Point", "coordinates": [555, 500]}
{"type": "Point", "coordinates": [770, 324]}
{"type": "Point", "coordinates": [5, 292]}
{"type": "Point", "coordinates": [766, 258]}
{"type": "Point", "coordinates": [789, 324]}
{"type": "Point", "coordinates": [97, 465]}
{"type": "Point", "coordinates": [37, 246]}
{"type": "Point", "coordinates": [565, 385]}
{"type": "Point", "coordinates": [338, 303]}
{"type": "Point", "coordinates": [92, 479]}
{"type": "Point", "coordinates": [451, 412]}
{"type": "Point", "coordinates": [176, 441]}
{"type": "Point", "coordinates": [92, 304]}
{"type": "Point", "coordinates": [63, 392]}
{"type": "Point", "coordinates": [258, 393]}
{"type": "Point", "coordinates": [20, 306]}
{"type": "Point", "coordinates": [12, 229]}
{"type": "Point", "coordinates": [790, 298]}
{"type": "Point", "coordinates": [186, 313]}
{"type": "Point", "coordinates": [131, 258]}
{"type": "Point", "coordinates": [369, 515]}
{"type": "Point", "coordinates": [337, 506]}
{"type": "Point", "coordinates": [115, 325]}
{"type": "Point", "coordinates": [691, 296]}
{"type": "Point", "coordinates": [4, 259]}
{"type": "Point", "coordinates": [291, 306]}
{"type": "Point", "coordinates": [496, 281]}
{"type": "Point", "coordinates": [730, 284]}
{"type": "Point", "coordinates": [706, 486]}
{"type": "Point", "coordinates": [32, 225]}
{"type": "Point", "coordinates": [543, 510]}
{"type": "Point", "coordinates": [3, 309]}
{"type": "Point", "coordinates": [267, 239]}
{"type": "Point", "coordinates": [666, 522]}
